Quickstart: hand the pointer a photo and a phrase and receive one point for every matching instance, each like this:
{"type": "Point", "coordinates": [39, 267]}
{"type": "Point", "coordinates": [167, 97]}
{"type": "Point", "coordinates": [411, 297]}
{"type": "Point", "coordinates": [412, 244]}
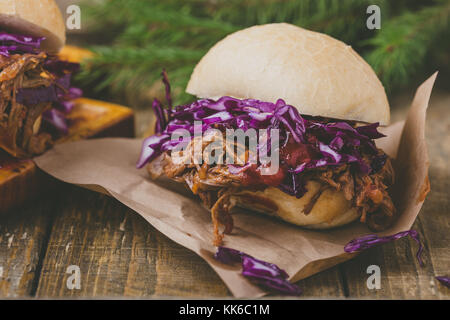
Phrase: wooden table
{"type": "Point", "coordinates": [120, 254]}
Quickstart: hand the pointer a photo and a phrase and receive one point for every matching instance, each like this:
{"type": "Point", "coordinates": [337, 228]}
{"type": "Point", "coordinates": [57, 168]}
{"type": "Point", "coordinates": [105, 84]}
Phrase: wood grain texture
{"type": "Point", "coordinates": [23, 237]}
{"type": "Point", "coordinates": [326, 284]}
{"type": "Point", "coordinates": [91, 231]}
{"type": "Point", "coordinates": [18, 181]}
{"type": "Point", "coordinates": [118, 253]}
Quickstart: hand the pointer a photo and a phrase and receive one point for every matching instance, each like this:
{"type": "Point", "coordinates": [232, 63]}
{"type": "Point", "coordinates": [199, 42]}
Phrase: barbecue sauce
{"type": "Point", "coordinates": [291, 155]}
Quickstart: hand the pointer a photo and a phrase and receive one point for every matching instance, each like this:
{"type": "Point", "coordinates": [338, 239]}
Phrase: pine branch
{"type": "Point", "coordinates": [401, 46]}
{"type": "Point", "coordinates": [146, 36]}
{"type": "Point", "coordinates": [133, 70]}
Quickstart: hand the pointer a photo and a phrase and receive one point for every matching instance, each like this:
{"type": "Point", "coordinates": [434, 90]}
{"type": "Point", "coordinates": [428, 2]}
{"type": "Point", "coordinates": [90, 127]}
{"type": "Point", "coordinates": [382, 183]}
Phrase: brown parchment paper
{"type": "Point", "coordinates": [108, 165]}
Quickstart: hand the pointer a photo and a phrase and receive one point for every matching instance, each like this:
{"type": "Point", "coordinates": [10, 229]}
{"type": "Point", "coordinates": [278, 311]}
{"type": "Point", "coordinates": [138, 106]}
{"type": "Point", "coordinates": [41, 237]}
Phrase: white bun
{"type": "Point", "coordinates": [317, 74]}
{"type": "Point", "coordinates": [35, 18]}
{"type": "Point", "coordinates": [330, 210]}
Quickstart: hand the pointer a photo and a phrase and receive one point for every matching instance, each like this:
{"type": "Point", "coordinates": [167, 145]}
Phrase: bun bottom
{"type": "Point", "coordinates": [329, 209]}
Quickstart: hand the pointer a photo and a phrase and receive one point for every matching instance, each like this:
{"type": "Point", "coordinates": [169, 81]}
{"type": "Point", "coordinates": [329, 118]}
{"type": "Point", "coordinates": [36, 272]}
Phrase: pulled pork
{"type": "Point", "coordinates": [19, 124]}
{"type": "Point", "coordinates": [368, 193]}
{"type": "Point", "coordinates": [214, 185]}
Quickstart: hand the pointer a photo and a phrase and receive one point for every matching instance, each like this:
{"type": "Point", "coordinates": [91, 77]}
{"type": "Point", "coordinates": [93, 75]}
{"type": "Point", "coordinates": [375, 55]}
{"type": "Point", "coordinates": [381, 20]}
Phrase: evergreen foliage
{"type": "Point", "coordinates": [135, 39]}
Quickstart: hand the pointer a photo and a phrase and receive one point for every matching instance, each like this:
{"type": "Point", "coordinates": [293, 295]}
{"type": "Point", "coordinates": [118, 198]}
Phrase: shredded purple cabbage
{"type": "Point", "coordinates": [57, 119]}
{"type": "Point", "coordinates": [6, 38]}
{"type": "Point", "coordinates": [160, 119]}
{"type": "Point", "coordinates": [264, 274]}
{"type": "Point", "coordinates": [444, 280]}
{"type": "Point", "coordinates": [336, 142]}
{"type": "Point", "coordinates": [32, 96]}
{"type": "Point", "coordinates": [61, 94]}
{"type": "Point", "coordinates": [61, 68]}
{"type": "Point", "coordinates": [365, 242]}
{"type": "Point", "coordinates": [13, 43]}
{"type": "Point", "coordinates": [165, 79]}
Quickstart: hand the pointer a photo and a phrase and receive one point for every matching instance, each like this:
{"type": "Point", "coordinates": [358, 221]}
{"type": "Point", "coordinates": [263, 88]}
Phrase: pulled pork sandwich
{"type": "Point", "coordinates": [326, 103]}
{"type": "Point", "coordinates": [34, 84]}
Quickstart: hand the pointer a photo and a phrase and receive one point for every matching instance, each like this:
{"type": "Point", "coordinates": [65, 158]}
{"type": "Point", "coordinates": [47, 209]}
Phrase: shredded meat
{"type": "Point", "coordinates": [19, 134]}
{"type": "Point", "coordinates": [214, 185]}
{"type": "Point", "coordinates": [369, 193]}
{"type": "Point", "coordinates": [309, 206]}
{"type": "Point", "coordinates": [220, 214]}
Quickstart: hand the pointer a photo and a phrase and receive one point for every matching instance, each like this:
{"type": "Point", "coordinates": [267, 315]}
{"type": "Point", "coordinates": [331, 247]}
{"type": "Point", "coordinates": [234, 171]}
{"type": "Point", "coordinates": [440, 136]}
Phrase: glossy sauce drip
{"type": "Point", "coordinates": [291, 155]}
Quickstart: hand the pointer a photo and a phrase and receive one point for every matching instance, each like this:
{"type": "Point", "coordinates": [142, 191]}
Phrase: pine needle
{"type": "Point", "coordinates": [136, 39]}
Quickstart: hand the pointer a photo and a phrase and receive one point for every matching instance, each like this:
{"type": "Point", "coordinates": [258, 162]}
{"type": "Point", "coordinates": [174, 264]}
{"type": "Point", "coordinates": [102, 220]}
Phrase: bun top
{"type": "Point", "coordinates": [319, 75]}
{"type": "Point", "coordinates": [40, 18]}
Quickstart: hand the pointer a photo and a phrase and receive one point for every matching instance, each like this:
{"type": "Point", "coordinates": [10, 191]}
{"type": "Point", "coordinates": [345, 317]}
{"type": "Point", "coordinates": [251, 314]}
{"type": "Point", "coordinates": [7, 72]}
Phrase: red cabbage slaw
{"type": "Point", "coordinates": [61, 94]}
{"type": "Point", "coordinates": [336, 142]}
{"type": "Point", "coordinates": [264, 274]}
{"type": "Point", "coordinates": [14, 43]}
{"type": "Point", "coordinates": [368, 241]}
{"type": "Point", "coordinates": [444, 280]}
{"type": "Point", "coordinates": [271, 277]}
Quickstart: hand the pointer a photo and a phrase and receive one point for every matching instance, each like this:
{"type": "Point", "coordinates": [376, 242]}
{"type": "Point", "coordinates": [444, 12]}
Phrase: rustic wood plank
{"type": "Point", "coordinates": [94, 232]}
{"type": "Point", "coordinates": [325, 284]}
{"type": "Point", "coordinates": [19, 181]}
{"type": "Point", "coordinates": [118, 253]}
{"type": "Point", "coordinates": [23, 237]}
{"type": "Point", "coordinates": [401, 275]}
{"type": "Point", "coordinates": [180, 272]}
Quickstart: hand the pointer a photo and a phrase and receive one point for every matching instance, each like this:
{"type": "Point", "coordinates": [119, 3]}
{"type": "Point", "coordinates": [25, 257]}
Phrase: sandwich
{"type": "Point", "coordinates": [35, 89]}
{"type": "Point", "coordinates": [315, 104]}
